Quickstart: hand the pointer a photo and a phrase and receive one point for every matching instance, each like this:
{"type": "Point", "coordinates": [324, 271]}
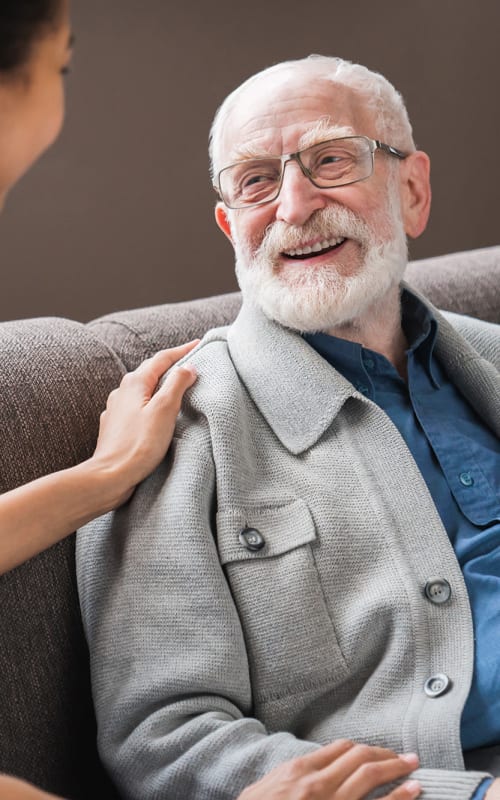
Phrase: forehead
{"type": "Point", "coordinates": [274, 113]}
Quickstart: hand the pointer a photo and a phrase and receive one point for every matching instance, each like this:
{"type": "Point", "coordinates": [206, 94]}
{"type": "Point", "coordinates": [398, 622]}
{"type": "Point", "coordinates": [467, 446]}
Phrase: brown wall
{"type": "Point", "coordinates": [119, 213]}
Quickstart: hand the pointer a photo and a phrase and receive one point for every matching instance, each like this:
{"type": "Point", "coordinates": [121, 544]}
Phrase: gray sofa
{"type": "Point", "coordinates": [56, 375]}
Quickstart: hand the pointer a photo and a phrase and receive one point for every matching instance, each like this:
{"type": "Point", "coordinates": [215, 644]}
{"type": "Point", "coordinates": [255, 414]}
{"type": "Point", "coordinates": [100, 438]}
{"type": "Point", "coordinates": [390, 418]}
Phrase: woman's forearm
{"type": "Point", "coordinates": [39, 514]}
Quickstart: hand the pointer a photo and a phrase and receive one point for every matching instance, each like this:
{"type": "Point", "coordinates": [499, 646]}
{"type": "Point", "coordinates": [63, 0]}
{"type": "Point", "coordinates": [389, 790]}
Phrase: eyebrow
{"type": "Point", "coordinates": [249, 152]}
{"type": "Point", "coordinates": [322, 132]}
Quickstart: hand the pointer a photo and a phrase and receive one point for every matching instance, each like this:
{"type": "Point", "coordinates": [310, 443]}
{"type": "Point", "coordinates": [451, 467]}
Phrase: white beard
{"type": "Point", "coordinates": [313, 299]}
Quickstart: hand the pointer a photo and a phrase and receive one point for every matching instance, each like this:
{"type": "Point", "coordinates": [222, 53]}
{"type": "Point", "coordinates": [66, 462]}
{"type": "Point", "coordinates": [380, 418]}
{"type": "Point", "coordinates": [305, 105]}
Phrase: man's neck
{"type": "Point", "coordinates": [380, 330]}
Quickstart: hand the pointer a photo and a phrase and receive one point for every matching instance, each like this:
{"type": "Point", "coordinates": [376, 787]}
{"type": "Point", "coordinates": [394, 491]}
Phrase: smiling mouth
{"type": "Point", "coordinates": [317, 249]}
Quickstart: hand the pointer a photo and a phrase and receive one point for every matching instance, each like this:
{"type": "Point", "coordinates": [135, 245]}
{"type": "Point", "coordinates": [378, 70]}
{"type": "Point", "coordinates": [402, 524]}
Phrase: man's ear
{"type": "Point", "coordinates": [222, 220]}
{"type": "Point", "coordinates": [415, 191]}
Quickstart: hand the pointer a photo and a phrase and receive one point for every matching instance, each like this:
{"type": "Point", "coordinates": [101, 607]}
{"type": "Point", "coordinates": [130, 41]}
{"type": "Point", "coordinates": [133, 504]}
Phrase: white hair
{"type": "Point", "coordinates": [379, 94]}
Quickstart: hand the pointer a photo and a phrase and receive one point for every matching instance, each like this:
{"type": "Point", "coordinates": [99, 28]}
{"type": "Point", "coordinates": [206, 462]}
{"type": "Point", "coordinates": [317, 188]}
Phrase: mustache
{"type": "Point", "coordinates": [326, 223]}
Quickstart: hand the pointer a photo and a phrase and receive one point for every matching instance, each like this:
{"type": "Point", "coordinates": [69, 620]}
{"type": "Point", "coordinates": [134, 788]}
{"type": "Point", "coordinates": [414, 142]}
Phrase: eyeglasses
{"type": "Point", "coordinates": [337, 162]}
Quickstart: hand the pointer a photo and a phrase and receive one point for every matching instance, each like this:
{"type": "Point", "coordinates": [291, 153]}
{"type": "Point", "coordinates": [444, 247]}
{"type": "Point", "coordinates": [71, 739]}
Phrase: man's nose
{"type": "Point", "coordinates": [298, 197]}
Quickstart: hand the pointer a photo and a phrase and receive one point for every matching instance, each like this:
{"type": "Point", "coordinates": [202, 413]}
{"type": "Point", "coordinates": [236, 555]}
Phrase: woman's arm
{"type": "Point", "coordinates": [135, 431]}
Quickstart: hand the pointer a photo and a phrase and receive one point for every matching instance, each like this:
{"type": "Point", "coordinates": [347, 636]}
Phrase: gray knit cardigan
{"type": "Point", "coordinates": [213, 662]}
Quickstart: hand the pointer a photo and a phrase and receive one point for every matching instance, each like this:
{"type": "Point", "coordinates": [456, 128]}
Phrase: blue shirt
{"type": "Point", "coordinates": [459, 458]}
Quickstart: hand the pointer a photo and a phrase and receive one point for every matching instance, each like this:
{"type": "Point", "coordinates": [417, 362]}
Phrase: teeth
{"type": "Point", "coordinates": [315, 248]}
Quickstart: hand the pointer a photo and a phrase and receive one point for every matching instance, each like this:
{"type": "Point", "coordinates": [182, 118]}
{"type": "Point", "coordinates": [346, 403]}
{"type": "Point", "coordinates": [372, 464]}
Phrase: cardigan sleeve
{"type": "Point", "coordinates": [169, 668]}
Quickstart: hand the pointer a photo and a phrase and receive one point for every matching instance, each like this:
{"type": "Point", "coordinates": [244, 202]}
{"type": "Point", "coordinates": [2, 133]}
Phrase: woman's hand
{"type": "Point", "coordinates": [342, 770]}
{"type": "Point", "coordinates": [137, 426]}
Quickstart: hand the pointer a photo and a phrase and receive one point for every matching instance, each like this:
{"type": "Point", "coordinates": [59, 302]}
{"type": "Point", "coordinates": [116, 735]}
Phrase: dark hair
{"type": "Point", "coordinates": [22, 23]}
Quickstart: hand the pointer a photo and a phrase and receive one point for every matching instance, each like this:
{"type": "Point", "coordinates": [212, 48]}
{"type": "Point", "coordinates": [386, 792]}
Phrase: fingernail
{"type": "Point", "coordinates": [410, 758]}
{"type": "Point", "coordinates": [413, 788]}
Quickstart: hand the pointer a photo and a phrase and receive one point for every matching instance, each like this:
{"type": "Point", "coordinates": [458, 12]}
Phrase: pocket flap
{"type": "Point", "coordinates": [282, 528]}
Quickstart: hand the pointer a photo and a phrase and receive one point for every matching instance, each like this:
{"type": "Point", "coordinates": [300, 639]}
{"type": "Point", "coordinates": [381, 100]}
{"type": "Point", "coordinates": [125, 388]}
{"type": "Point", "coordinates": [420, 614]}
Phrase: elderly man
{"type": "Point", "coordinates": [318, 559]}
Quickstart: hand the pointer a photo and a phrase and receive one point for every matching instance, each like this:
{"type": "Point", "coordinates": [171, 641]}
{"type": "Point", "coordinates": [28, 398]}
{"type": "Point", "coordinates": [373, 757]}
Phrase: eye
{"type": "Point", "coordinates": [258, 172]}
{"type": "Point", "coordinates": [252, 179]}
{"type": "Point", "coordinates": [330, 161]}
{"type": "Point", "coordinates": [331, 158]}
{"type": "Point", "coordinates": [66, 70]}
{"type": "Point", "coordinates": [332, 155]}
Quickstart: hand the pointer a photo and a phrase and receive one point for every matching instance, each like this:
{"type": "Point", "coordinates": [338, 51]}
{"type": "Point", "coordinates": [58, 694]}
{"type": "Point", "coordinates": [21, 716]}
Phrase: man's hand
{"type": "Point", "coordinates": [493, 792]}
{"type": "Point", "coordinates": [342, 770]}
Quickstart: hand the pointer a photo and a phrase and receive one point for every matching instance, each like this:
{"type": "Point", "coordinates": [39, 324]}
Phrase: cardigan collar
{"type": "Point", "coordinates": [296, 390]}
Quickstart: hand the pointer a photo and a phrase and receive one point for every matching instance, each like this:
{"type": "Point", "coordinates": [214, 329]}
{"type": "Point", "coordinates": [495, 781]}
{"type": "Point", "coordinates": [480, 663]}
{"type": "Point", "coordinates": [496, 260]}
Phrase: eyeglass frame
{"type": "Point", "coordinates": [375, 144]}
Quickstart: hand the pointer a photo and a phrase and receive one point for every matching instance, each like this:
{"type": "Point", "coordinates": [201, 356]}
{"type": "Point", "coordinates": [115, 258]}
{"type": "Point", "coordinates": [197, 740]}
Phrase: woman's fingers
{"type": "Point", "coordinates": [153, 368]}
{"type": "Point", "coordinates": [142, 382]}
{"type": "Point", "coordinates": [138, 387]}
{"type": "Point", "coordinates": [137, 426]}
{"type": "Point", "coordinates": [175, 384]}
{"type": "Point", "coordinates": [369, 770]}
{"type": "Point", "coordinates": [323, 756]}
{"type": "Point", "coordinates": [363, 759]}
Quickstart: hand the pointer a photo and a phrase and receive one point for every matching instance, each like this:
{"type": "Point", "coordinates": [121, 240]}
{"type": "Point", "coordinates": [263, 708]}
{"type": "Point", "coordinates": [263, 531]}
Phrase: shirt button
{"type": "Point", "coordinates": [369, 363]}
{"type": "Point", "coordinates": [437, 590]}
{"type": "Point", "coordinates": [361, 387]}
{"type": "Point", "coordinates": [437, 685]}
{"type": "Point", "coordinates": [466, 479]}
{"type": "Point", "coordinates": [252, 539]}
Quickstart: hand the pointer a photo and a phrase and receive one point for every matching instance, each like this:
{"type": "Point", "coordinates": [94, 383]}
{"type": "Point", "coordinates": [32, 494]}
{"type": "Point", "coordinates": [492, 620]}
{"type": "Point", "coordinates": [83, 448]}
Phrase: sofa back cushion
{"type": "Point", "coordinates": [466, 283]}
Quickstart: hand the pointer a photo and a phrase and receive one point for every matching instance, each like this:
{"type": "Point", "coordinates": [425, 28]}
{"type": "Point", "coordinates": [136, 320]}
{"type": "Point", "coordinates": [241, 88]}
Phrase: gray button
{"type": "Point", "coordinates": [437, 590]}
{"type": "Point", "coordinates": [437, 685]}
{"type": "Point", "coordinates": [252, 539]}
{"type": "Point", "coordinates": [466, 479]}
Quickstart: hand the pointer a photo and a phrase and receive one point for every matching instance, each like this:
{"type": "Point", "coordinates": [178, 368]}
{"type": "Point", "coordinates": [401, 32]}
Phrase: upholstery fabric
{"type": "Point", "coordinates": [467, 282]}
{"type": "Point", "coordinates": [55, 378]}
{"type": "Point", "coordinates": [139, 333]}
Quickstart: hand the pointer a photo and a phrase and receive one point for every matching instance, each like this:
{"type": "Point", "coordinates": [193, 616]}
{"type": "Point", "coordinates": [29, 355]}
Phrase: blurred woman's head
{"type": "Point", "coordinates": [35, 50]}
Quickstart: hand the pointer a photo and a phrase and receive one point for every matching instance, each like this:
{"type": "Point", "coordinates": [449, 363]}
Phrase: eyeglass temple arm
{"type": "Point", "coordinates": [392, 151]}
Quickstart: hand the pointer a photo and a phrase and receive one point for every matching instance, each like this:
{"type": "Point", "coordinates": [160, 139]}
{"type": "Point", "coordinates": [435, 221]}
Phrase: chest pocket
{"type": "Point", "coordinates": [268, 557]}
